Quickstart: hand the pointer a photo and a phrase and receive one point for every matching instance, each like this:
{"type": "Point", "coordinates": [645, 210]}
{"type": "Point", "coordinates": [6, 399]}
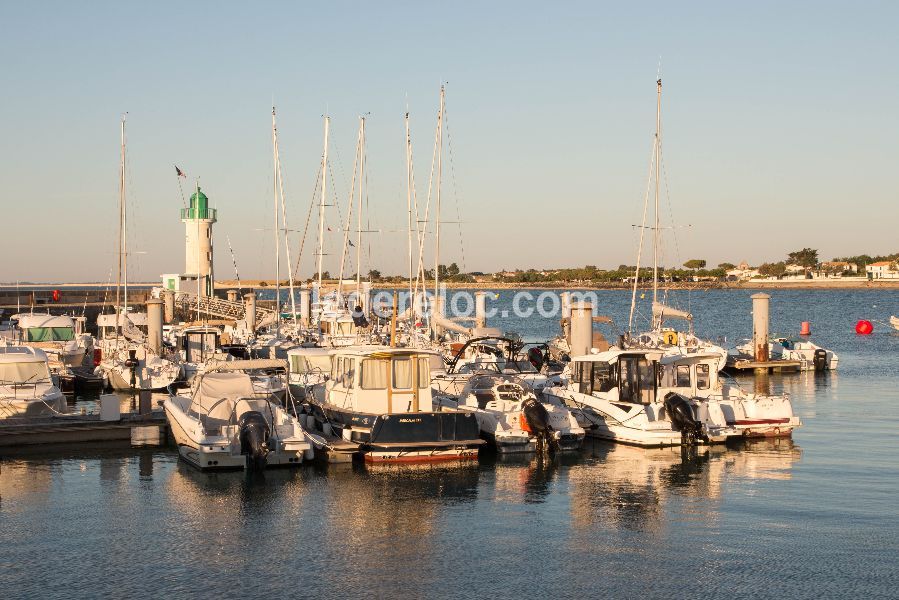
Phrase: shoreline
{"type": "Point", "coordinates": [804, 284]}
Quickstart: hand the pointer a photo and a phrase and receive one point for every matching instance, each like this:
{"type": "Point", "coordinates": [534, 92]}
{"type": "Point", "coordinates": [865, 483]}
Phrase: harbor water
{"type": "Point", "coordinates": [815, 516]}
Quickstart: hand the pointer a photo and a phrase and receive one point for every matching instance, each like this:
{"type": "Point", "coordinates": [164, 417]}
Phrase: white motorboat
{"type": "Point", "coordinates": [752, 415]}
{"type": "Point", "coordinates": [59, 336]}
{"type": "Point", "coordinates": [513, 419]}
{"type": "Point", "coordinates": [618, 393]}
{"type": "Point", "coordinates": [379, 398]}
{"type": "Point", "coordinates": [224, 423]}
{"type": "Point", "coordinates": [811, 357]}
{"type": "Point", "coordinates": [492, 353]}
{"type": "Point", "coordinates": [26, 387]}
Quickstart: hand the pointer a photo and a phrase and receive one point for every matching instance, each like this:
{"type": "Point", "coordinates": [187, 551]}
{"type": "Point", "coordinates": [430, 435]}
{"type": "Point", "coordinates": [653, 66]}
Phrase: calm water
{"type": "Point", "coordinates": [814, 517]}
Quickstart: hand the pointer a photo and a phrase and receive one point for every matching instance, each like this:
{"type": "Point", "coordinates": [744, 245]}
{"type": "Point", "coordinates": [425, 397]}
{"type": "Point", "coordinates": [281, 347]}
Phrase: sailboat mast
{"type": "Point", "coordinates": [439, 174]}
{"type": "Point", "coordinates": [277, 233]}
{"type": "Point", "coordinates": [280, 190]}
{"type": "Point", "coordinates": [321, 206]}
{"type": "Point", "coordinates": [124, 252]}
{"type": "Point", "coordinates": [656, 231]}
{"type": "Point", "coordinates": [359, 209]}
{"type": "Point", "coordinates": [118, 283]}
{"type": "Point", "coordinates": [409, 197]}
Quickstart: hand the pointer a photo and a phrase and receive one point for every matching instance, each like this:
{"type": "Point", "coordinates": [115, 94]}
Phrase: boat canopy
{"type": "Point", "coordinates": [666, 312]}
{"type": "Point", "coordinates": [612, 355]}
{"type": "Point", "coordinates": [245, 365]}
{"type": "Point", "coordinates": [219, 392]}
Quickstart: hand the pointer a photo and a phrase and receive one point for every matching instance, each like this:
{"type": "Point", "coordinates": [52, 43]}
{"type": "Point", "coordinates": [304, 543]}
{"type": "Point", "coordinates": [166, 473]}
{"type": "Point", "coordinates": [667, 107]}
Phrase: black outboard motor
{"type": "Point", "coordinates": [254, 432]}
{"type": "Point", "coordinates": [538, 421]}
{"type": "Point", "coordinates": [820, 360]}
{"type": "Point", "coordinates": [680, 413]}
{"type": "Point", "coordinates": [132, 363]}
{"type": "Point", "coordinates": [359, 319]}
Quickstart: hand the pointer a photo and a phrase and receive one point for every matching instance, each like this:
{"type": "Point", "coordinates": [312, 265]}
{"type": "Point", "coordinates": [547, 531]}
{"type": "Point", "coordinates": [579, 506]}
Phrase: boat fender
{"type": "Point", "coordinates": [254, 432]}
{"type": "Point", "coordinates": [536, 357]}
{"type": "Point", "coordinates": [820, 360]}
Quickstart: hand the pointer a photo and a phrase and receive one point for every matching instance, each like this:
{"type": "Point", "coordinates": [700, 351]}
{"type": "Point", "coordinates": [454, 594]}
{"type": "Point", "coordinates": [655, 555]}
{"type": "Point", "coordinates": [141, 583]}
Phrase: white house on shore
{"type": "Point", "coordinates": [882, 270]}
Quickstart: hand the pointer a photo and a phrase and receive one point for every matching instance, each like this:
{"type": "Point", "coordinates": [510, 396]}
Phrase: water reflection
{"type": "Point", "coordinates": [630, 488]}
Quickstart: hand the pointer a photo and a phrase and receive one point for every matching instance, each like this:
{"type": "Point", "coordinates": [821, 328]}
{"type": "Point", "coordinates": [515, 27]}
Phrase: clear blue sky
{"type": "Point", "coordinates": [779, 118]}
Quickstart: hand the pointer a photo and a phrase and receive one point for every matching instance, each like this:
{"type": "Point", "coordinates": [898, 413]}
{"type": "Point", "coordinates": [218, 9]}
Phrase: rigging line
{"type": "Point", "coordinates": [308, 218]}
{"type": "Point", "coordinates": [349, 216]}
{"type": "Point", "coordinates": [234, 262]}
{"type": "Point", "coordinates": [630, 322]}
{"type": "Point", "coordinates": [423, 231]}
{"type": "Point", "coordinates": [449, 145]}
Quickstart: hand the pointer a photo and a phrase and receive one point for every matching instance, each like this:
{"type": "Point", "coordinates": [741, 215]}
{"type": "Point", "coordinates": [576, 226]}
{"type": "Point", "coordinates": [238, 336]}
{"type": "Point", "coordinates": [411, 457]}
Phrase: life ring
{"type": "Point", "coordinates": [669, 337]}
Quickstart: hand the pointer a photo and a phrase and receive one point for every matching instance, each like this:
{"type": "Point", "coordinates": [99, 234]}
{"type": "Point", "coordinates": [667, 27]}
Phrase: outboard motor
{"type": "Point", "coordinates": [254, 432]}
{"type": "Point", "coordinates": [820, 360]}
{"type": "Point", "coordinates": [538, 422]}
{"type": "Point", "coordinates": [359, 319]}
{"type": "Point", "coordinates": [132, 363]}
{"type": "Point", "coordinates": [680, 413]}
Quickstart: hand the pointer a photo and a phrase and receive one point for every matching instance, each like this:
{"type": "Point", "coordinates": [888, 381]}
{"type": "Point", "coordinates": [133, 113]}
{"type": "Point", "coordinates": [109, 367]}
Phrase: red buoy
{"type": "Point", "coordinates": [864, 327]}
{"type": "Point", "coordinates": [55, 295]}
{"type": "Point", "coordinates": [806, 328]}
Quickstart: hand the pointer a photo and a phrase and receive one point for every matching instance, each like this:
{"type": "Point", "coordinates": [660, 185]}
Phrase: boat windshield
{"type": "Point", "coordinates": [49, 334]}
{"type": "Point", "coordinates": [14, 373]}
{"type": "Point", "coordinates": [306, 364]}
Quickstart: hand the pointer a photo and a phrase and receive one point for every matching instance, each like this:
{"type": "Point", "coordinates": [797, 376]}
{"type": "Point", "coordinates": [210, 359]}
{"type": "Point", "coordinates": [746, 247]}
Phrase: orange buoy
{"type": "Point", "coordinates": [864, 327]}
{"type": "Point", "coordinates": [806, 328]}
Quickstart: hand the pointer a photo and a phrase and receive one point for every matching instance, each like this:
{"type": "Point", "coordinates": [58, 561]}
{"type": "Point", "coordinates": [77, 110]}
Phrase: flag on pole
{"type": "Point", "coordinates": [351, 243]}
{"type": "Point", "coordinates": [179, 172]}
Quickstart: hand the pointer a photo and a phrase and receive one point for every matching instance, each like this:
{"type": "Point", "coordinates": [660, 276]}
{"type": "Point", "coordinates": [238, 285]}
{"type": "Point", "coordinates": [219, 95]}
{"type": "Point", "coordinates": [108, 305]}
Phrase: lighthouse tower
{"type": "Point", "coordinates": [198, 220]}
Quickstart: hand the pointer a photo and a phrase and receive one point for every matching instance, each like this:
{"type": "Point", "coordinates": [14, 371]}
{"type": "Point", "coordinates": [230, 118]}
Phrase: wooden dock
{"type": "Point", "coordinates": [19, 433]}
{"type": "Point", "coordinates": [776, 366]}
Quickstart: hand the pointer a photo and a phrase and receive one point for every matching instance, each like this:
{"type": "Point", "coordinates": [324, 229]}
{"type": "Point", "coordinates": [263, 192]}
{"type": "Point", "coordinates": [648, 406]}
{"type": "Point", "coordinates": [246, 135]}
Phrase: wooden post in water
{"type": "Point", "coordinates": [760, 327]}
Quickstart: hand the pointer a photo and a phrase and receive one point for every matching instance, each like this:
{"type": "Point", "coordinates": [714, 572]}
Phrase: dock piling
{"type": "Point", "coordinates": [581, 328]}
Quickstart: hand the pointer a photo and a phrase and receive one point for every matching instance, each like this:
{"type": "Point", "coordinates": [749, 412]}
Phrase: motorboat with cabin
{"type": "Point", "coordinates": [811, 357]}
{"type": "Point", "coordinates": [752, 415]}
{"type": "Point", "coordinates": [379, 398]}
{"type": "Point", "coordinates": [26, 386]}
{"type": "Point", "coordinates": [223, 422]}
{"type": "Point", "coordinates": [512, 418]}
{"type": "Point", "coordinates": [61, 337]}
{"type": "Point", "coordinates": [619, 397]}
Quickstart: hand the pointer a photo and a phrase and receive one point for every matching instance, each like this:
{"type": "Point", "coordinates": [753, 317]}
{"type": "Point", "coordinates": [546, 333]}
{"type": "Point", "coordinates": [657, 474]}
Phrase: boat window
{"type": "Point", "coordinates": [49, 334]}
{"type": "Point", "coordinates": [402, 374]}
{"type": "Point", "coordinates": [374, 374]}
{"type": "Point", "coordinates": [683, 376]}
{"type": "Point", "coordinates": [647, 373]}
{"type": "Point", "coordinates": [702, 377]}
{"type": "Point", "coordinates": [336, 368]}
{"type": "Point", "coordinates": [436, 362]}
{"type": "Point", "coordinates": [627, 380]}
{"type": "Point", "coordinates": [424, 374]}
{"type": "Point", "coordinates": [320, 363]}
{"type": "Point", "coordinates": [23, 372]}
{"type": "Point", "coordinates": [602, 377]}
{"type": "Point", "coordinates": [582, 374]}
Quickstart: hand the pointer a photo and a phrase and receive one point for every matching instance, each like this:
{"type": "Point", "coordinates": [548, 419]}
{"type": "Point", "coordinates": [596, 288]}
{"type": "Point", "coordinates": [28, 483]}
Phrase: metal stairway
{"type": "Point", "coordinates": [218, 307]}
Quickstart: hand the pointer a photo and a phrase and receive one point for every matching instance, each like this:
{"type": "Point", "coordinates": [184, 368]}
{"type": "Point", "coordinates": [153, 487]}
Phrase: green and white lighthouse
{"type": "Point", "coordinates": [198, 220]}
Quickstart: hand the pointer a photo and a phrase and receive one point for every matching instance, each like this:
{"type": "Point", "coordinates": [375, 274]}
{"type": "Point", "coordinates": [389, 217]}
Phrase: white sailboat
{"type": "Point", "coordinates": [124, 359]}
{"type": "Point", "coordinates": [660, 336]}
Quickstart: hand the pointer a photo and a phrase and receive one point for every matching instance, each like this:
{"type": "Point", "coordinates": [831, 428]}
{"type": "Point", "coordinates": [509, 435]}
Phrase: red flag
{"type": "Point", "coordinates": [179, 172]}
